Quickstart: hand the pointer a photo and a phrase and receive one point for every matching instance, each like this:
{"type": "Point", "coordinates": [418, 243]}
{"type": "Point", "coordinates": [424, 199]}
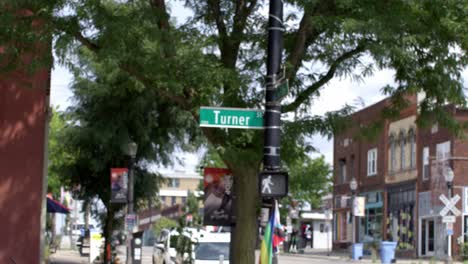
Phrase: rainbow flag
{"type": "Point", "coordinates": [271, 238]}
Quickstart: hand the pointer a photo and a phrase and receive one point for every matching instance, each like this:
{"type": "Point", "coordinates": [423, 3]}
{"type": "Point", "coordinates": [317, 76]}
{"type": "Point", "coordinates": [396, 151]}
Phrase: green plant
{"type": "Point", "coordinates": [464, 249]}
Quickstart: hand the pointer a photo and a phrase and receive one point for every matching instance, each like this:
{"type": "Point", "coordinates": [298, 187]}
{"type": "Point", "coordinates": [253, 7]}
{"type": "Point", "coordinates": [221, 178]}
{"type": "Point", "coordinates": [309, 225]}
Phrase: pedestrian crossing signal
{"type": "Point", "coordinates": [273, 184]}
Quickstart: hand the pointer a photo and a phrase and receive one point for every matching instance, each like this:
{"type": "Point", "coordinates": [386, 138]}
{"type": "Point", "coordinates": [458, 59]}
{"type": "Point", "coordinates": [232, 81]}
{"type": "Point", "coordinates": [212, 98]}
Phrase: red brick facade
{"type": "Point", "coordinates": [402, 185]}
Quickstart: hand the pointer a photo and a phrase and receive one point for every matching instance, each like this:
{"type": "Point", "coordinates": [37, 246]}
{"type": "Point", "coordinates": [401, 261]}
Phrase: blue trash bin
{"type": "Point", "coordinates": [387, 251]}
{"type": "Point", "coordinates": [356, 251]}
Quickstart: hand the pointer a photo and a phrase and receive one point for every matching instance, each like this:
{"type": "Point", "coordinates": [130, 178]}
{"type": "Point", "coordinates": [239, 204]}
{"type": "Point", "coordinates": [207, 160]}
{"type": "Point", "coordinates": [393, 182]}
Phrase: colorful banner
{"type": "Point", "coordinates": [218, 188]}
{"type": "Point", "coordinates": [119, 185]}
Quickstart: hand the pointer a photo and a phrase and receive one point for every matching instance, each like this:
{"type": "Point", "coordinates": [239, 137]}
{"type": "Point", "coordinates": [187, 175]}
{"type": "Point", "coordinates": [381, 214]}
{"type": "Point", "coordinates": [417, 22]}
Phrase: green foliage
{"type": "Point", "coordinates": [310, 179]}
{"type": "Point", "coordinates": [164, 223]}
{"type": "Point", "coordinates": [57, 157]}
{"type": "Point", "coordinates": [139, 76]}
{"type": "Point", "coordinates": [193, 207]}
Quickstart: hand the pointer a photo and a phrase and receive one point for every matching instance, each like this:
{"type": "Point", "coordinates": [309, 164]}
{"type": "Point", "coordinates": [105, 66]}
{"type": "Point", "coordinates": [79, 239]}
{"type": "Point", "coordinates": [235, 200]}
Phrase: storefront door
{"type": "Point", "coordinates": [427, 237]}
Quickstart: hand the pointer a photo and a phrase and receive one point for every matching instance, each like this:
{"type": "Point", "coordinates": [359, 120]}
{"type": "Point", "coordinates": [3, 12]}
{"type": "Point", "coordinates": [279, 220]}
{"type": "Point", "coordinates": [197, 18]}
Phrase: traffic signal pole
{"type": "Point", "coordinates": [272, 123]}
{"type": "Point", "coordinates": [272, 118]}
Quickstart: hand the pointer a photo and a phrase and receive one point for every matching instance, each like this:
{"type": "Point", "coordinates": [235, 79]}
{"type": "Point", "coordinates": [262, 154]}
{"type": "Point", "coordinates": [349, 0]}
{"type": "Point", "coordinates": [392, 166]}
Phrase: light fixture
{"type": "Point", "coordinates": [353, 184]}
{"type": "Point", "coordinates": [449, 175]}
{"type": "Point", "coordinates": [130, 149]}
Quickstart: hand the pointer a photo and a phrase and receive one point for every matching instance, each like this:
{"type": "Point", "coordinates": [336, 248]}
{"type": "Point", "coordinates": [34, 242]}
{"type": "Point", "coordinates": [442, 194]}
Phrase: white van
{"type": "Point", "coordinates": [211, 247]}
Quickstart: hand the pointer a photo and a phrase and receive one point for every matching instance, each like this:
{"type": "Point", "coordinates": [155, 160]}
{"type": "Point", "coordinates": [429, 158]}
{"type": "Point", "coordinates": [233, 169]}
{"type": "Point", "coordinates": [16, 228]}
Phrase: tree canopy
{"type": "Point", "coordinates": [217, 58]}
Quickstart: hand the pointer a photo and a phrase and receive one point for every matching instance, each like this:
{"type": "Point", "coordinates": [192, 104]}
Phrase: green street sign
{"type": "Point", "coordinates": [231, 117]}
{"type": "Point", "coordinates": [281, 91]}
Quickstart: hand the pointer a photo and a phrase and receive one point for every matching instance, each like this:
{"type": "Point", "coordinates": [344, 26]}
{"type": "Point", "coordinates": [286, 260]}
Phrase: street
{"type": "Point", "coordinates": [72, 257]}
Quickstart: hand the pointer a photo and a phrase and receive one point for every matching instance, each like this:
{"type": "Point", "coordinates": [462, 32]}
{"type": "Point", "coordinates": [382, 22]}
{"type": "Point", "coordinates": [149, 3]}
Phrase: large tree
{"type": "Point", "coordinates": [217, 58]}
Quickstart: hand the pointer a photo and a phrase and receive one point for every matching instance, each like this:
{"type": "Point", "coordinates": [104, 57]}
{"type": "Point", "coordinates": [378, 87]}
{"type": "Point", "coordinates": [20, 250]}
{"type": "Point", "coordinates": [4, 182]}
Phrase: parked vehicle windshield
{"type": "Point", "coordinates": [211, 251]}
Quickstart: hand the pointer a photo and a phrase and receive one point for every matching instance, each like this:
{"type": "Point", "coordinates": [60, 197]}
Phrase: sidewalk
{"type": "Point", "coordinates": [341, 256]}
{"type": "Point", "coordinates": [67, 257]}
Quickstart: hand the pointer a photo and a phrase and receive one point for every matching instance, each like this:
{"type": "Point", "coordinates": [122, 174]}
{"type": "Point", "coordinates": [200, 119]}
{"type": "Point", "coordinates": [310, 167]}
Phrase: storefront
{"type": "Point", "coordinates": [401, 214]}
{"type": "Point", "coordinates": [342, 227]}
{"type": "Point", "coordinates": [429, 226]}
{"type": "Point", "coordinates": [370, 226]}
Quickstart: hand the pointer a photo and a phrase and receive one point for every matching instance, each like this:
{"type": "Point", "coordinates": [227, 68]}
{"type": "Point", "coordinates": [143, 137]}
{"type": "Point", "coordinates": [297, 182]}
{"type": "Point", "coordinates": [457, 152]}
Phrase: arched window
{"type": "Point", "coordinates": [402, 150]}
{"type": "Point", "coordinates": [392, 153]}
{"type": "Point", "coordinates": [412, 143]}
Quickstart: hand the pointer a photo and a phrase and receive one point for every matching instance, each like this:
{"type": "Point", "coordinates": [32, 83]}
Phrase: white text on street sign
{"type": "Point", "coordinates": [231, 117]}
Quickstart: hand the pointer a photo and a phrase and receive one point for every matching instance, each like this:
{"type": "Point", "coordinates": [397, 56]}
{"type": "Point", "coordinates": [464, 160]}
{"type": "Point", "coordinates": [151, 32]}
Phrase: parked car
{"type": "Point", "coordinates": [165, 248]}
{"type": "Point", "coordinates": [164, 251]}
{"type": "Point", "coordinates": [211, 247]}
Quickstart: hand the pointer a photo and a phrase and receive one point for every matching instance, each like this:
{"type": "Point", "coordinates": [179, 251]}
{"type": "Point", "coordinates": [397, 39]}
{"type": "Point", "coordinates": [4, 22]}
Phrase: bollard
{"type": "Point", "coordinates": [221, 259]}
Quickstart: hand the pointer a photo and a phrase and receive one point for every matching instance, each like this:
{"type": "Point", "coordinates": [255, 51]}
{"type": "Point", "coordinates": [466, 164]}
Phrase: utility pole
{"type": "Point", "coordinates": [272, 123]}
{"type": "Point", "coordinates": [130, 149]}
{"type": "Point", "coordinates": [130, 209]}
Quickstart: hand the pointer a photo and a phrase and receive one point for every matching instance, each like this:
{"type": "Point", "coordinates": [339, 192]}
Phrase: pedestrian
{"type": "Point", "coordinates": [308, 236]}
{"type": "Point", "coordinates": [293, 242]}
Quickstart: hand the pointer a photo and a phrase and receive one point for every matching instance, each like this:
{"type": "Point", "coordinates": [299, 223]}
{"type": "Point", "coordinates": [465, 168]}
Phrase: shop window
{"type": "Point", "coordinates": [372, 162]}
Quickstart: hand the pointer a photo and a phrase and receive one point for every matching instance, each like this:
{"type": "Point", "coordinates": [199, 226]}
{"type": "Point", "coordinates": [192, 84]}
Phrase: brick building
{"type": "Point", "coordinates": [24, 103]}
{"type": "Point", "coordinates": [400, 172]}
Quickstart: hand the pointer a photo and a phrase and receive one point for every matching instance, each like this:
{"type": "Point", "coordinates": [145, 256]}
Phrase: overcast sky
{"type": "Point", "coordinates": [334, 96]}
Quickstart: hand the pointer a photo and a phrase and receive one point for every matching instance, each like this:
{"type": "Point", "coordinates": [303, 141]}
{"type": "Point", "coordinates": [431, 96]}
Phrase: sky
{"type": "Point", "coordinates": [337, 93]}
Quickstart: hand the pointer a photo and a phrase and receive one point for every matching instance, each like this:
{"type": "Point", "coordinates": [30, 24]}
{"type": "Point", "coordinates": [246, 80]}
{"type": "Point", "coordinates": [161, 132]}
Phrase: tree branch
{"type": "Point", "coordinates": [300, 45]}
{"type": "Point", "coordinates": [304, 95]}
{"type": "Point", "coordinates": [160, 7]}
{"type": "Point", "coordinates": [215, 7]}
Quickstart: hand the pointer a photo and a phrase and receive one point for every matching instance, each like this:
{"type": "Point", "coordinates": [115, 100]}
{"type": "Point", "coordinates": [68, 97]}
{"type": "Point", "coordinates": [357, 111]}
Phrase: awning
{"type": "Point", "coordinates": [56, 207]}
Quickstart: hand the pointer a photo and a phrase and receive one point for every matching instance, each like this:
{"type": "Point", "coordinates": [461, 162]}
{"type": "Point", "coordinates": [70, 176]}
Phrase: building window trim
{"type": "Point", "coordinates": [372, 162]}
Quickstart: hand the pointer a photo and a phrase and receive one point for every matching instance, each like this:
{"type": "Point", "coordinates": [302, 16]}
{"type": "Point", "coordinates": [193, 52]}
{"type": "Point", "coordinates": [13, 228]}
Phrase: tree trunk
{"type": "Point", "coordinates": [245, 208]}
{"type": "Point", "coordinates": [86, 209]}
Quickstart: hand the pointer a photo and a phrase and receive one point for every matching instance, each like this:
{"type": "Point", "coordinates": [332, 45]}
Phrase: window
{"type": "Point", "coordinates": [173, 200]}
{"type": "Point", "coordinates": [402, 151]}
{"type": "Point", "coordinates": [184, 200]}
{"type": "Point", "coordinates": [342, 171]}
{"type": "Point", "coordinates": [372, 162]}
{"type": "Point", "coordinates": [425, 168]}
{"type": "Point", "coordinates": [392, 153]}
{"type": "Point", "coordinates": [443, 151]}
{"type": "Point", "coordinates": [175, 183]}
{"type": "Point", "coordinates": [412, 142]}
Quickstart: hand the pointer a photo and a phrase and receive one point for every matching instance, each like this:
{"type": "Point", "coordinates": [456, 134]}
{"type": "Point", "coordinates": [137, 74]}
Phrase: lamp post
{"type": "Point", "coordinates": [353, 187]}
{"type": "Point", "coordinates": [130, 149]}
{"type": "Point", "coordinates": [449, 175]}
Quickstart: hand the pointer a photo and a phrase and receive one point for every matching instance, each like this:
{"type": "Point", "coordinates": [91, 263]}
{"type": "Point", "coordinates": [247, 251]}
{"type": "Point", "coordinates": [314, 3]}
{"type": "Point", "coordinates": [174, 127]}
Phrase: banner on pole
{"type": "Point", "coordinates": [119, 185]}
{"type": "Point", "coordinates": [359, 206]}
{"type": "Point", "coordinates": [218, 189]}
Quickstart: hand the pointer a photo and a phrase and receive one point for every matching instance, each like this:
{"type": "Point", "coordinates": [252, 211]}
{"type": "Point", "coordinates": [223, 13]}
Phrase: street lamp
{"type": "Point", "coordinates": [449, 175]}
{"type": "Point", "coordinates": [353, 186]}
{"type": "Point", "coordinates": [130, 149]}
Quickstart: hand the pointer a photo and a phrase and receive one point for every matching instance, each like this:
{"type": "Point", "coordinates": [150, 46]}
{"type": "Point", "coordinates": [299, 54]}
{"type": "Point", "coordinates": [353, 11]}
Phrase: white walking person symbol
{"type": "Point", "coordinates": [266, 184]}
